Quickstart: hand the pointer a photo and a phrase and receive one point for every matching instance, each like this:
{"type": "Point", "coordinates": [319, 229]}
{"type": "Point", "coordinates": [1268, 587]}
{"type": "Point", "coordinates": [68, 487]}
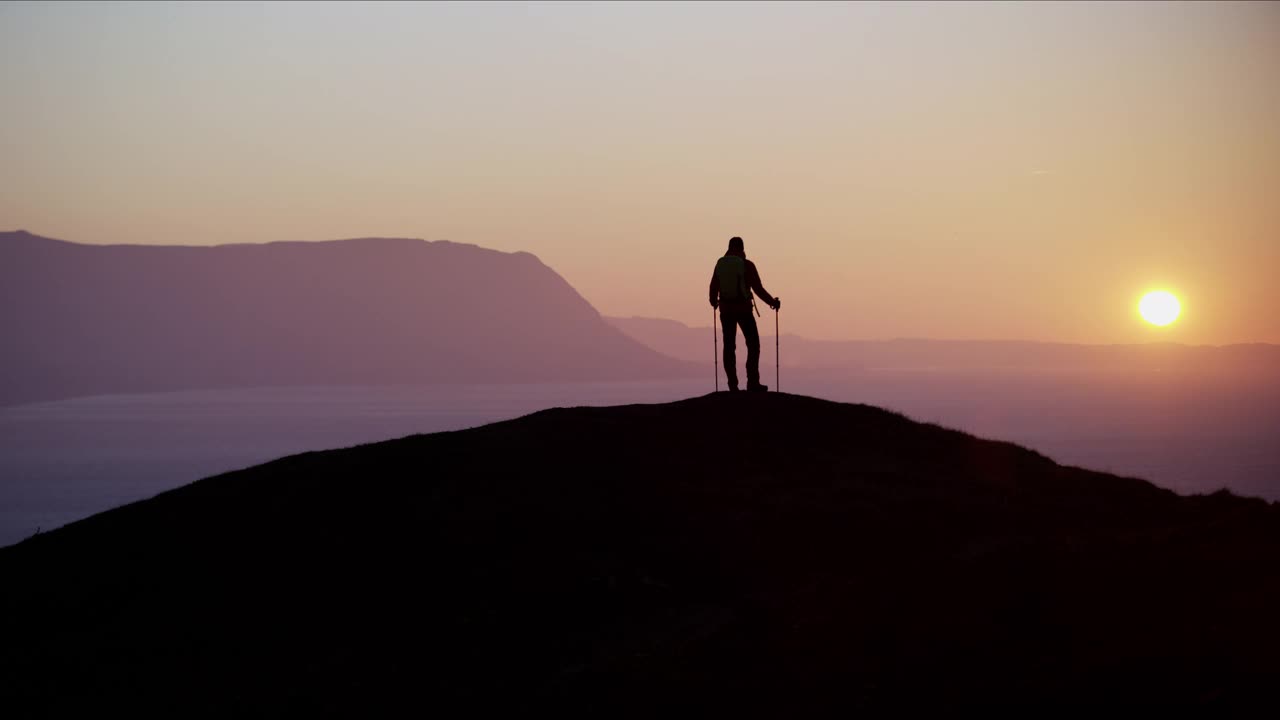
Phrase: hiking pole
{"type": "Point", "coordinates": [715, 349]}
{"type": "Point", "coordinates": [777, 349]}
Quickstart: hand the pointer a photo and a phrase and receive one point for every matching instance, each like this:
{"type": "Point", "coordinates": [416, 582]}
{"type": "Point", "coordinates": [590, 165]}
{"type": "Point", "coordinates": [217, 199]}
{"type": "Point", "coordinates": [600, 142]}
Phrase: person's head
{"type": "Point", "coordinates": [735, 243]}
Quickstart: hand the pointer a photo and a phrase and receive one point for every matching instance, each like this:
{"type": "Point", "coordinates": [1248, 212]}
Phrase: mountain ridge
{"type": "Point", "coordinates": [676, 339]}
{"type": "Point", "coordinates": [625, 320]}
{"type": "Point", "coordinates": [92, 319]}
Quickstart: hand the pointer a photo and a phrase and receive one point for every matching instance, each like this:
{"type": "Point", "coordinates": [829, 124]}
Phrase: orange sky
{"type": "Point", "coordinates": [950, 171]}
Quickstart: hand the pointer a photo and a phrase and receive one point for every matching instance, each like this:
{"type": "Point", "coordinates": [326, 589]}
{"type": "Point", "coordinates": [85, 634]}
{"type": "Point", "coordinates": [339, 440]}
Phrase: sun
{"type": "Point", "coordinates": [1159, 307]}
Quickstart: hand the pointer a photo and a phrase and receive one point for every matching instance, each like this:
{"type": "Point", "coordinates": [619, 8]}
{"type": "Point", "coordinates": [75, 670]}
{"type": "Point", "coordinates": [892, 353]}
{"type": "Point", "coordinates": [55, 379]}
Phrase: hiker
{"type": "Point", "coordinates": [734, 279]}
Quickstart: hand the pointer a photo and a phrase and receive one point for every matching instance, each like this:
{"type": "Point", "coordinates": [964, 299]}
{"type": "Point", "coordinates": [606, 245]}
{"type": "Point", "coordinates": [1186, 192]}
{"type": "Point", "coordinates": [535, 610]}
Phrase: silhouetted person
{"type": "Point", "coordinates": [734, 279]}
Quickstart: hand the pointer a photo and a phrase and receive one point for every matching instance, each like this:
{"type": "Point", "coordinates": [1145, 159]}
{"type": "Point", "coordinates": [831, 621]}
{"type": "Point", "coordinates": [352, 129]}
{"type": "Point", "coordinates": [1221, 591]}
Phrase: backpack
{"type": "Point", "coordinates": [731, 271]}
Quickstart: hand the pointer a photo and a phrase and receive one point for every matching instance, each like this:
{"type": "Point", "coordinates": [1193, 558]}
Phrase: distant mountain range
{"type": "Point", "coordinates": [89, 319]}
{"type": "Point", "coordinates": [694, 344]}
{"type": "Point", "coordinates": [727, 556]}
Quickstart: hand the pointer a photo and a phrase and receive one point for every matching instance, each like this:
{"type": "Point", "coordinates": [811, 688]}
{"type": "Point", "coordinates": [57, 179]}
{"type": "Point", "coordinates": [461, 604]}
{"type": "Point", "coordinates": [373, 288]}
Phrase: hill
{"type": "Point", "coordinates": [88, 319]}
{"type": "Point", "coordinates": [767, 554]}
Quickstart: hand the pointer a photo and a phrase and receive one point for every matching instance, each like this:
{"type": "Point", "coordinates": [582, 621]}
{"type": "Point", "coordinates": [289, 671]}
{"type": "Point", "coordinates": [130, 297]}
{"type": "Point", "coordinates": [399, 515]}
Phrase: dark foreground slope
{"type": "Point", "coordinates": [90, 319]}
{"type": "Point", "coordinates": [766, 554]}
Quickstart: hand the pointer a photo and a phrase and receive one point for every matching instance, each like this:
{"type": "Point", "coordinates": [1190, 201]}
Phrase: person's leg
{"type": "Point", "coordinates": [728, 324]}
{"type": "Point", "coordinates": [752, 336]}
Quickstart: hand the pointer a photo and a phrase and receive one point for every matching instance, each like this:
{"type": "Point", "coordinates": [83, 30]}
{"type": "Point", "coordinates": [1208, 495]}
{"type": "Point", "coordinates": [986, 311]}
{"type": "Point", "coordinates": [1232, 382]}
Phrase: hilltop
{"type": "Point", "coordinates": [767, 554]}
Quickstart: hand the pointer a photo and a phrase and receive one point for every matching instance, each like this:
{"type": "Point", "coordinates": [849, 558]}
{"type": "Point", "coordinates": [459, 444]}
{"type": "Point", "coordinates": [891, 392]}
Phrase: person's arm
{"type": "Point", "coordinates": [753, 278]}
{"type": "Point", "coordinates": [715, 290]}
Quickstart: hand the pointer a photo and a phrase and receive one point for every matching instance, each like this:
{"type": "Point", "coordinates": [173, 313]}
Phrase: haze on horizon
{"type": "Point", "coordinates": [926, 170]}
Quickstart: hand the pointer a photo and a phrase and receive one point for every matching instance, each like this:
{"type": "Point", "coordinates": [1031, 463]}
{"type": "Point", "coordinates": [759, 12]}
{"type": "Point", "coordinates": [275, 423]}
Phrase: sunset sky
{"type": "Point", "coordinates": [917, 170]}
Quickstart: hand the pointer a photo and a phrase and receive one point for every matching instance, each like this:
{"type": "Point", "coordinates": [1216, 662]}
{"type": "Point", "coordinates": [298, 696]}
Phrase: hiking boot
{"type": "Point", "coordinates": [757, 388]}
